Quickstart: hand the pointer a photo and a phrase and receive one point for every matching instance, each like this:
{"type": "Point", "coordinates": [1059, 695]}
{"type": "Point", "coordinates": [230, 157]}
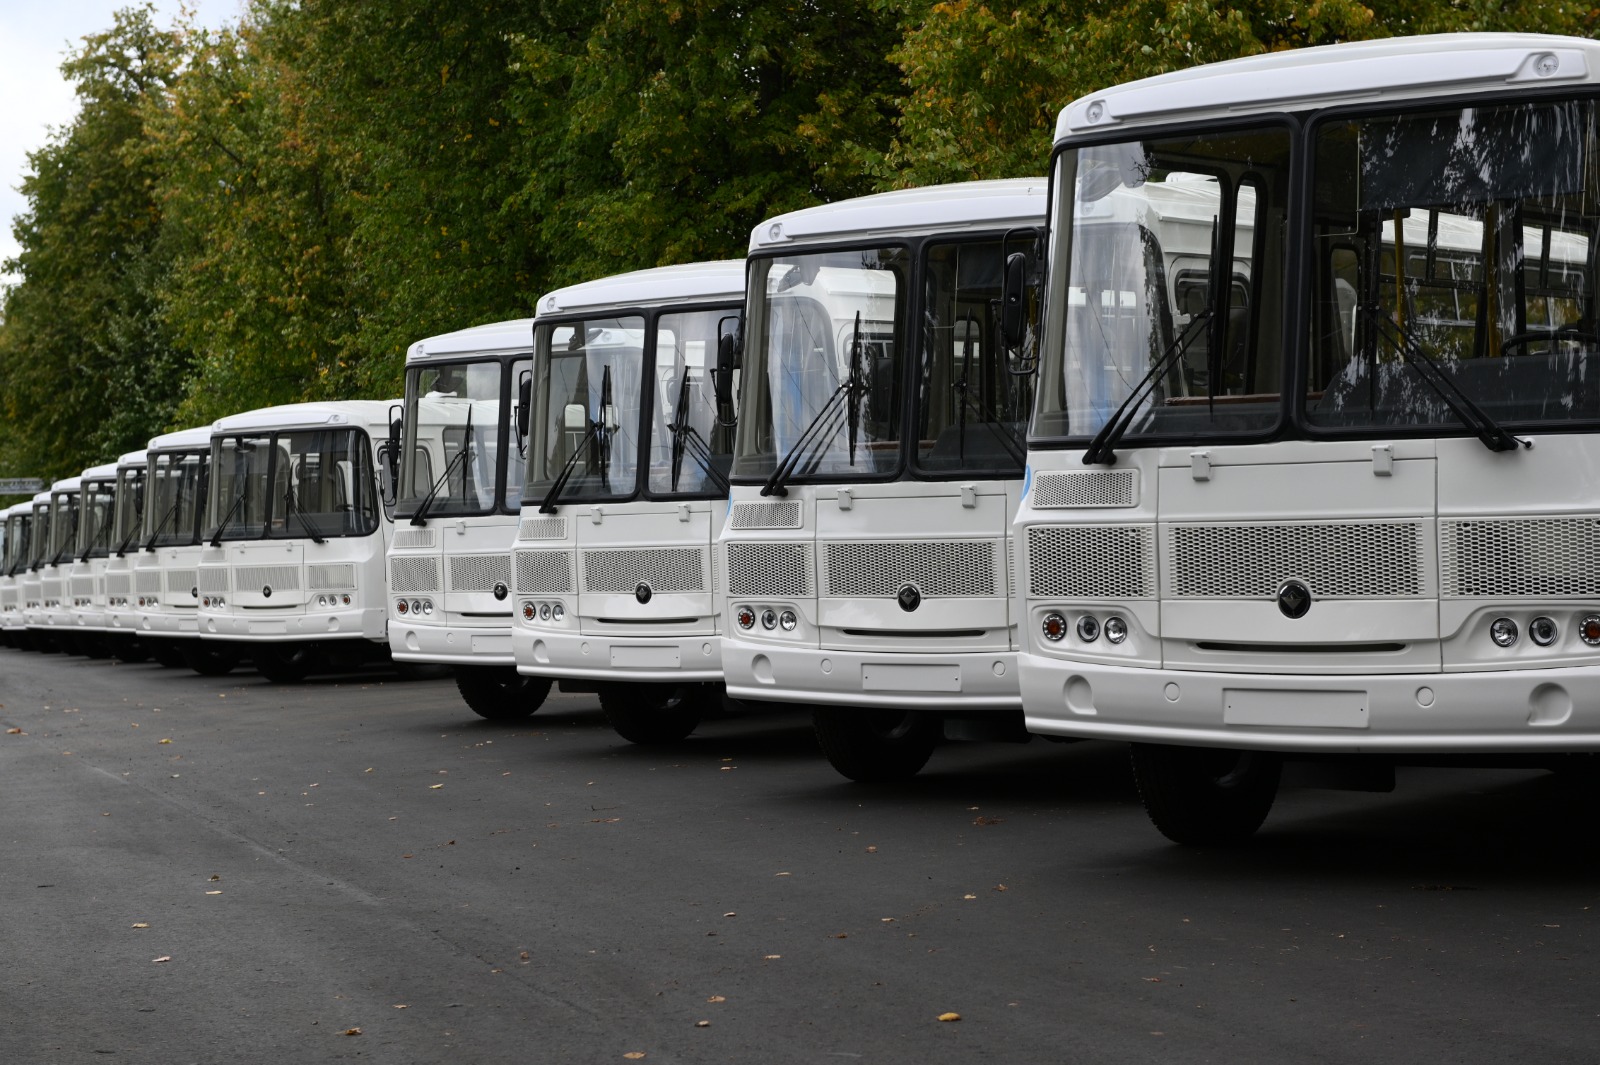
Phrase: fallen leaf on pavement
{"type": "Point", "coordinates": [702, 1024]}
{"type": "Point", "coordinates": [634, 1055]}
{"type": "Point", "coordinates": [163, 741]}
{"type": "Point", "coordinates": [142, 924]}
{"type": "Point", "coordinates": [982, 820]}
{"type": "Point", "coordinates": [435, 787]}
{"type": "Point", "coordinates": [14, 732]}
{"type": "Point", "coordinates": [773, 957]}
{"type": "Point", "coordinates": [215, 878]}
{"type": "Point", "coordinates": [213, 893]}
{"type": "Point", "coordinates": [716, 998]}
{"type": "Point", "coordinates": [969, 896]}
{"type": "Point", "coordinates": [949, 1016]}
{"type": "Point", "coordinates": [164, 957]}
{"type": "Point", "coordinates": [352, 1031]}
{"type": "Point", "coordinates": [872, 850]}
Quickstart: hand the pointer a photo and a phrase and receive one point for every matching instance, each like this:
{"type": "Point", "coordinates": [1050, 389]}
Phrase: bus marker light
{"type": "Point", "coordinates": [1589, 630]}
{"type": "Point", "coordinates": [1055, 627]}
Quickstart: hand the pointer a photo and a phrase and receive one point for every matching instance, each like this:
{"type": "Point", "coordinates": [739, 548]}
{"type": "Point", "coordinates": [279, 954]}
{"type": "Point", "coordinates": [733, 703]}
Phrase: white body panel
{"type": "Point", "coordinates": [55, 604]}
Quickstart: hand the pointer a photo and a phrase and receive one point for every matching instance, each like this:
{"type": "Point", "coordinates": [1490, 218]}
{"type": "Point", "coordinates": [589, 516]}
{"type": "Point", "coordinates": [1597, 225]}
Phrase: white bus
{"type": "Point", "coordinates": [879, 462]}
{"type": "Point", "coordinates": [29, 579]}
{"type": "Point", "coordinates": [292, 555]}
{"type": "Point", "coordinates": [116, 581]}
{"type": "Point", "coordinates": [628, 454]}
{"type": "Point", "coordinates": [461, 473]}
{"type": "Point", "coordinates": [1333, 503]}
{"type": "Point", "coordinates": [156, 599]}
{"type": "Point", "coordinates": [53, 619]}
{"type": "Point", "coordinates": [18, 520]}
{"type": "Point", "coordinates": [86, 575]}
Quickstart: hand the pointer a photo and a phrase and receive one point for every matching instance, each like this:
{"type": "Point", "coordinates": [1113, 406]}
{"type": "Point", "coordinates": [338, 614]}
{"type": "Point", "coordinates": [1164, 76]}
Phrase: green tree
{"type": "Point", "coordinates": [88, 368]}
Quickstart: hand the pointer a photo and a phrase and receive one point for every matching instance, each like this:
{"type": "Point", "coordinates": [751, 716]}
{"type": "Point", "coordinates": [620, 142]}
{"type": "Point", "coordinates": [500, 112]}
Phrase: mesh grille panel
{"type": "Point", "coordinates": [1092, 561]}
{"type": "Point", "coordinates": [1546, 557]}
{"type": "Point", "coordinates": [181, 580]}
{"type": "Point", "coordinates": [937, 567]}
{"type": "Point", "coordinates": [212, 579]}
{"type": "Point", "coordinates": [413, 538]}
{"type": "Point", "coordinates": [1091, 488]}
{"type": "Point", "coordinates": [83, 586]}
{"type": "Point", "coordinates": [414, 574]}
{"type": "Point", "coordinates": [119, 583]}
{"type": "Point", "coordinates": [544, 572]}
{"type": "Point", "coordinates": [479, 573]}
{"type": "Point", "coordinates": [766, 515]}
{"type": "Point", "coordinates": [675, 569]}
{"type": "Point", "coordinates": [1334, 559]}
{"type": "Point", "coordinates": [543, 529]}
{"type": "Point", "coordinates": [769, 569]}
{"type": "Point", "coordinates": [254, 578]}
{"type": "Point", "coordinates": [331, 576]}
{"type": "Point", "coordinates": [148, 581]}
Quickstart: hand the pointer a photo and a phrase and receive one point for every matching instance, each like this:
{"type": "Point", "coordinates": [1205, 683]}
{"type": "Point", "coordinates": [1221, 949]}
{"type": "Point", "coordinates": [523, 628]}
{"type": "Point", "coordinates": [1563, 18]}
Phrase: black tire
{"type": "Point", "coordinates": [1205, 796]}
{"type": "Point", "coordinates": [207, 657]}
{"type": "Point", "coordinates": [426, 671]}
{"type": "Point", "coordinates": [500, 693]}
{"type": "Point", "coordinates": [130, 649]}
{"type": "Point", "coordinates": [876, 746]}
{"type": "Point", "coordinates": [285, 663]}
{"type": "Point", "coordinates": [168, 653]}
{"type": "Point", "coordinates": [94, 644]}
{"type": "Point", "coordinates": [653, 713]}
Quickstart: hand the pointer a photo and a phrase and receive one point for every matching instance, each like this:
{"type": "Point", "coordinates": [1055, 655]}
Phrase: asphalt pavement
{"type": "Point", "coordinates": [357, 868]}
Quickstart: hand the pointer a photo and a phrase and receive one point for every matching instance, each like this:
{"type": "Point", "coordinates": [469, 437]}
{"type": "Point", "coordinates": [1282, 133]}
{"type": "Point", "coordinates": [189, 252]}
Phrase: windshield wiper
{"type": "Point", "coordinates": [685, 437]}
{"type": "Point", "coordinates": [172, 512]}
{"type": "Point", "coordinates": [216, 538]}
{"type": "Point", "coordinates": [293, 503]}
{"type": "Point", "coordinates": [122, 548]}
{"type": "Point", "coordinates": [1122, 418]}
{"type": "Point", "coordinates": [599, 435]}
{"type": "Point", "coordinates": [105, 526]}
{"type": "Point", "coordinates": [462, 456]}
{"type": "Point", "coordinates": [1474, 417]}
{"type": "Point", "coordinates": [844, 402]}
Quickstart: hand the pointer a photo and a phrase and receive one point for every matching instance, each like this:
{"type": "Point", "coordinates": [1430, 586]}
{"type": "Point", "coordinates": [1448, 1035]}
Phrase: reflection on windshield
{"type": "Point", "coordinates": [292, 485]}
{"type": "Point", "coordinates": [98, 509]}
{"type": "Point", "coordinates": [1461, 237]}
{"type": "Point", "coordinates": [63, 527]}
{"type": "Point", "coordinates": [41, 535]}
{"type": "Point", "coordinates": [690, 449]}
{"type": "Point", "coordinates": [452, 439]}
{"type": "Point", "coordinates": [819, 316]}
{"type": "Point", "coordinates": [1166, 235]}
{"type": "Point", "coordinates": [176, 487]}
{"type": "Point", "coordinates": [129, 517]}
{"type": "Point", "coordinates": [576, 424]}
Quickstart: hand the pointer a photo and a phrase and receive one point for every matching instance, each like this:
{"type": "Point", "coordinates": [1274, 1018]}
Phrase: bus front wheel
{"type": "Point", "coordinates": [653, 713]}
{"type": "Point", "coordinates": [500, 693]}
{"type": "Point", "coordinates": [876, 746]}
{"type": "Point", "coordinates": [1205, 796]}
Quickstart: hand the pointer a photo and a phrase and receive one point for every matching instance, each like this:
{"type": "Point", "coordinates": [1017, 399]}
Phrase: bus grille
{"type": "Point", "coordinates": [409, 538]}
{"type": "Point", "coordinates": [769, 569]}
{"type": "Point", "coordinates": [181, 581]}
{"type": "Point", "coordinates": [1335, 560]}
{"type": "Point", "coordinates": [939, 568]}
{"type": "Point", "coordinates": [1091, 488]}
{"type": "Point", "coordinates": [147, 581]}
{"type": "Point", "coordinates": [212, 579]}
{"type": "Point", "coordinates": [544, 572]}
{"type": "Point", "coordinates": [479, 573]}
{"type": "Point", "coordinates": [784, 515]}
{"type": "Point", "coordinates": [119, 583]}
{"type": "Point", "coordinates": [1092, 561]}
{"type": "Point", "coordinates": [1545, 557]}
{"type": "Point", "coordinates": [543, 529]}
{"type": "Point", "coordinates": [664, 569]}
{"type": "Point", "coordinates": [413, 574]}
{"type": "Point", "coordinates": [331, 576]}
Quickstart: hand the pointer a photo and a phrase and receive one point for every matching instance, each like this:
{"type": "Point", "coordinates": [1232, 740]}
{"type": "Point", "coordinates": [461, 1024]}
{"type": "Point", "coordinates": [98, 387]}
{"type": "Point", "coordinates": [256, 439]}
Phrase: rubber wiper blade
{"type": "Point", "coordinates": [462, 456]}
{"type": "Point", "coordinates": [216, 537]}
{"type": "Point", "coordinates": [1474, 417]}
{"type": "Point", "coordinates": [292, 502]}
{"type": "Point", "coordinates": [1100, 448]}
{"type": "Point", "coordinates": [597, 433]}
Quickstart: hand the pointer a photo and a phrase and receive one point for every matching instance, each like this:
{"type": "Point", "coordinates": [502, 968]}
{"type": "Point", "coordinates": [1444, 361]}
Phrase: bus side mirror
{"type": "Point", "coordinates": [1013, 300]}
{"type": "Point", "coordinates": [524, 403]}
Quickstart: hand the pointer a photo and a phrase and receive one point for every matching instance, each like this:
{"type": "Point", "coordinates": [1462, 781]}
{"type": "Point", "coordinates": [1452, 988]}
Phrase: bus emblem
{"type": "Point", "coordinates": [1294, 599]}
{"type": "Point", "coordinates": [643, 593]}
{"type": "Point", "coordinates": [909, 598]}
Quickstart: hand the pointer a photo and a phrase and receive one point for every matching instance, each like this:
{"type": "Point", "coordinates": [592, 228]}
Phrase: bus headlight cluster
{"type": "Point", "coordinates": [770, 617]}
{"type": "Point", "coordinates": [549, 612]}
{"type": "Point", "coordinates": [211, 600]}
{"type": "Point", "coordinates": [148, 600]}
{"type": "Point", "coordinates": [1089, 628]}
{"type": "Point", "coordinates": [330, 602]}
{"type": "Point", "coordinates": [413, 607]}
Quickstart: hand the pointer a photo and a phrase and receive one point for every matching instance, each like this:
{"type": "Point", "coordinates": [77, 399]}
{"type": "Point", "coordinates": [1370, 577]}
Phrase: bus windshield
{"type": "Point", "coordinates": [691, 444]}
{"type": "Point", "coordinates": [177, 481]}
{"type": "Point", "coordinates": [292, 485]}
{"type": "Point", "coordinates": [1171, 298]}
{"type": "Point", "coordinates": [820, 395]}
{"type": "Point", "coordinates": [130, 508]}
{"type": "Point", "coordinates": [1459, 239]}
{"type": "Point", "coordinates": [41, 536]}
{"type": "Point", "coordinates": [99, 508]}
{"type": "Point", "coordinates": [17, 553]}
{"type": "Point", "coordinates": [453, 441]}
{"type": "Point", "coordinates": [587, 385]}
{"type": "Point", "coordinates": [63, 527]}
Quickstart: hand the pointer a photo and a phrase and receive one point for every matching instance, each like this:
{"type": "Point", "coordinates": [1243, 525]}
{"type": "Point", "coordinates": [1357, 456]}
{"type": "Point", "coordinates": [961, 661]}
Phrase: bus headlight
{"type": "Point", "coordinates": [1542, 631]}
{"type": "Point", "coordinates": [788, 620]}
{"type": "Point", "coordinates": [557, 612]}
{"type": "Point", "coordinates": [1503, 631]}
{"type": "Point", "coordinates": [1116, 630]}
{"type": "Point", "coordinates": [1088, 628]}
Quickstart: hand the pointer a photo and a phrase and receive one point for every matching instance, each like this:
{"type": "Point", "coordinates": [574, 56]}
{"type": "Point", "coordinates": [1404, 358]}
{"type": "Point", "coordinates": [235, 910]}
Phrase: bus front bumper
{"type": "Point", "coordinates": [617, 659]}
{"type": "Point", "coordinates": [952, 683]}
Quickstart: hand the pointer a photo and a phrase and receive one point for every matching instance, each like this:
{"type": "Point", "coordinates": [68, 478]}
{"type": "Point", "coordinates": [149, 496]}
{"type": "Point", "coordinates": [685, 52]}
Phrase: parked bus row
{"type": "Point", "coordinates": [1262, 430]}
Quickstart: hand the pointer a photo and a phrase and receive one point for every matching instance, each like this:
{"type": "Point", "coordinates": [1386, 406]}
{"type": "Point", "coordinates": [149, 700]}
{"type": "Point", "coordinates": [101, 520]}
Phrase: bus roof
{"type": "Point", "coordinates": [42, 497]}
{"type": "Point", "coordinates": [198, 438]}
{"type": "Point", "coordinates": [490, 340]}
{"type": "Point", "coordinates": [932, 209]}
{"type": "Point", "coordinates": [67, 484]}
{"type": "Point", "coordinates": [722, 280]}
{"type": "Point", "coordinates": [362, 413]}
{"type": "Point", "coordinates": [133, 458]}
{"type": "Point", "coordinates": [104, 472]}
{"type": "Point", "coordinates": [1399, 67]}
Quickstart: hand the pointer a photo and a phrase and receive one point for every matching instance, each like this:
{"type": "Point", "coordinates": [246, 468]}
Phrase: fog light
{"type": "Point", "coordinates": [427, 606]}
{"type": "Point", "coordinates": [787, 620]}
{"type": "Point", "coordinates": [1088, 628]}
{"type": "Point", "coordinates": [1116, 630]}
{"type": "Point", "coordinates": [402, 607]}
{"type": "Point", "coordinates": [416, 606]}
{"type": "Point", "coordinates": [528, 612]}
{"type": "Point", "coordinates": [322, 600]}
{"type": "Point", "coordinates": [1542, 631]}
{"type": "Point", "coordinates": [1589, 630]}
{"type": "Point", "coordinates": [544, 611]}
{"type": "Point", "coordinates": [769, 618]}
{"type": "Point", "coordinates": [557, 611]}
{"type": "Point", "coordinates": [746, 617]}
{"type": "Point", "coordinates": [1503, 631]}
{"type": "Point", "coordinates": [1055, 627]}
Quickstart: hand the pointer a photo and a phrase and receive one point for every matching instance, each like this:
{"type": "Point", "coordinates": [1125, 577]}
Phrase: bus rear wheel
{"type": "Point", "coordinates": [284, 663]}
{"type": "Point", "coordinates": [653, 713]}
{"type": "Point", "coordinates": [1205, 796]}
{"type": "Point", "coordinates": [168, 653]}
{"type": "Point", "coordinates": [206, 657]}
{"type": "Point", "coordinates": [875, 746]}
{"type": "Point", "coordinates": [500, 693]}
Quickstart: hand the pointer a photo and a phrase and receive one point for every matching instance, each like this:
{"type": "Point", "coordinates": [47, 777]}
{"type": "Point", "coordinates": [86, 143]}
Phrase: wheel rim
{"type": "Point", "coordinates": [891, 724]}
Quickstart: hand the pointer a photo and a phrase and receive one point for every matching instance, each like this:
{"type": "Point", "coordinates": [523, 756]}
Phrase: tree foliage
{"type": "Point", "coordinates": [274, 211]}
